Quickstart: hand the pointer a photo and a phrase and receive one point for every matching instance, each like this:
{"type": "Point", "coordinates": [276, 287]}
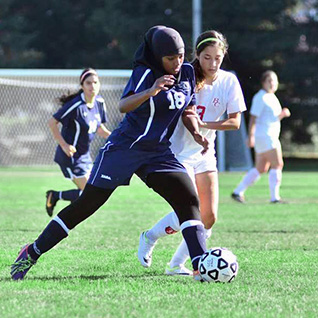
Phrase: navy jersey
{"type": "Point", "coordinates": [80, 123]}
{"type": "Point", "coordinates": [150, 126]}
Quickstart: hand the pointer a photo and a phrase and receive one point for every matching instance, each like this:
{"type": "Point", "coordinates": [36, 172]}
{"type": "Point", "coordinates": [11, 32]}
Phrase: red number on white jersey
{"type": "Point", "coordinates": [201, 111]}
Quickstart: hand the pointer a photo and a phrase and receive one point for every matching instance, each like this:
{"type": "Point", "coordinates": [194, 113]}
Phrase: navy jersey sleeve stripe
{"type": "Point", "coordinates": [149, 122]}
{"type": "Point", "coordinates": [77, 133]}
{"type": "Point", "coordinates": [70, 109]}
{"type": "Point", "coordinates": [105, 113]}
{"type": "Point", "coordinates": [137, 81]}
{"type": "Point", "coordinates": [142, 79]}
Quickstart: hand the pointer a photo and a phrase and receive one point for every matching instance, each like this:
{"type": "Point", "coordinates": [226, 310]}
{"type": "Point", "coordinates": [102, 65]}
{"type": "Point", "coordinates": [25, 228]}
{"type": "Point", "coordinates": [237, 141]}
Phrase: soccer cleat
{"type": "Point", "coordinates": [177, 270]}
{"type": "Point", "coordinates": [50, 202]}
{"type": "Point", "coordinates": [279, 201]}
{"type": "Point", "coordinates": [22, 264]}
{"type": "Point", "coordinates": [145, 250]}
{"type": "Point", "coordinates": [238, 198]}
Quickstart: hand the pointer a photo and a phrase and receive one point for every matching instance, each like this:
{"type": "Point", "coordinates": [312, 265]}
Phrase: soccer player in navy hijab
{"type": "Point", "coordinates": [160, 88]}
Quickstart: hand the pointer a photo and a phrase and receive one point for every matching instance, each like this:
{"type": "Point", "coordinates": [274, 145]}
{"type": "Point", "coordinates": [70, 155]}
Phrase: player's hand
{"type": "Point", "coordinates": [162, 84]}
{"type": "Point", "coordinates": [192, 113]}
{"type": "Point", "coordinates": [69, 150]}
{"type": "Point", "coordinates": [202, 141]}
{"type": "Point", "coordinates": [285, 112]}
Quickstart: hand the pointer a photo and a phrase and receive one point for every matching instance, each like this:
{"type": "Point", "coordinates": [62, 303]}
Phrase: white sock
{"type": "Point", "coordinates": [169, 224]}
{"type": "Point", "coordinates": [182, 253]}
{"type": "Point", "coordinates": [274, 180]}
{"type": "Point", "coordinates": [252, 176]}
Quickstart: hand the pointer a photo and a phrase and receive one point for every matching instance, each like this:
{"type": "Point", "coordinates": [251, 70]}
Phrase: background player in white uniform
{"type": "Point", "coordinates": [82, 115]}
{"type": "Point", "coordinates": [264, 129]}
{"type": "Point", "coordinates": [217, 92]}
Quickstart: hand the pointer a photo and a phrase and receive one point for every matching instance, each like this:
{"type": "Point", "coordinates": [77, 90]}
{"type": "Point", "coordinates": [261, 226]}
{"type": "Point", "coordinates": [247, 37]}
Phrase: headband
{"type": "Point", "coordinates": [86, 73]}
{"type": "Point", "coordinates": [210, 39]}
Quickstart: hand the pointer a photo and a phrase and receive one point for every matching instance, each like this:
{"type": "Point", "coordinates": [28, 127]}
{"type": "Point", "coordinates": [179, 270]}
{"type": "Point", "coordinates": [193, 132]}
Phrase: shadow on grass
{"type": "Point", "coordinates": [264, 231]}
{"type": "Point", "coordinates": [89, 277]}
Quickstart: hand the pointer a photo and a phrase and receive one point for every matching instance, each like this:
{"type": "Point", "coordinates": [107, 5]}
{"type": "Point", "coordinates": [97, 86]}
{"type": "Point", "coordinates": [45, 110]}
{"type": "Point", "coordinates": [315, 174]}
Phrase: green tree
{"type": "Point", "coordinates": [279, 34]}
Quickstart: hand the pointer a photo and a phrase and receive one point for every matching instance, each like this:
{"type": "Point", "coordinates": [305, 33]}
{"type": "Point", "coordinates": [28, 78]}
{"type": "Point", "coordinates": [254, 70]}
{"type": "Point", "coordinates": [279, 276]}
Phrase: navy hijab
{"type": "Point", "coordinates": [159, 41]}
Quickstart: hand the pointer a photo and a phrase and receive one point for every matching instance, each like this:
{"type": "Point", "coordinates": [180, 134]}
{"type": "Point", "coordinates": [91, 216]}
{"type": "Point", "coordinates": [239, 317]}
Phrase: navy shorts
{"type": "Point", "coordinates": [115, 167]}
{"type": "Point", "coordinates": [73, 167]}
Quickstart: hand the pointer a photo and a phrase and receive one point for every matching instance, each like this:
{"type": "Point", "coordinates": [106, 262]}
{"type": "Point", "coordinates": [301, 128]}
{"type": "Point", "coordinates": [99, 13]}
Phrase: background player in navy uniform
{"type": "Point", "coordinates": [159, 90]}
{"type": "Point", "coordinates": [82, 115]}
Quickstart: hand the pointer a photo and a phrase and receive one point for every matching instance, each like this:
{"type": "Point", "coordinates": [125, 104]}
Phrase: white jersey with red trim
{"type": "Point", "coordinates": [224, 96]}
{"type": "Point", "coordinates": [266, 108]}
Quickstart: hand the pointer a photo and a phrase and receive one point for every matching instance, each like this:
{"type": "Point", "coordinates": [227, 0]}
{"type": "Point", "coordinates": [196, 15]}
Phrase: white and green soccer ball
{"type": "Point", "coordinates": [218, 265]}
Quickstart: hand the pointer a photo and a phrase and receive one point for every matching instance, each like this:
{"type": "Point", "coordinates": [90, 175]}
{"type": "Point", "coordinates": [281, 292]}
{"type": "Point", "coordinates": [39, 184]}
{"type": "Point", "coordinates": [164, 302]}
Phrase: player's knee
{"type": "Point", "coordinates": [209, 220]}
{"type": "Point", "coordinates": [281, 165]}
{"type": "Point", "coordinates": [188, 209]}
{"type": "Point", "coordinates": [262, 170]}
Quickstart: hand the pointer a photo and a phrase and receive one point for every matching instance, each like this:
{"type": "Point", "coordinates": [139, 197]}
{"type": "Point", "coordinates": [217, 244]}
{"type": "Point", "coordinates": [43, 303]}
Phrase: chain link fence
{"type": "Point", "coordinates": [29, 99]}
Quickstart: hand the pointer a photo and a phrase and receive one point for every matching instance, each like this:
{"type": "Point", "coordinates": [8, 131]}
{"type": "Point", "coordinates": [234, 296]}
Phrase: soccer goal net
{"type": "Point", "coordinates": [29, 99]}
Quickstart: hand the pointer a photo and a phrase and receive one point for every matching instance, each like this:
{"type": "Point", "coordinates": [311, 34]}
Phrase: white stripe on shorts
{"type": "Point", "coordinates": [101, 160]}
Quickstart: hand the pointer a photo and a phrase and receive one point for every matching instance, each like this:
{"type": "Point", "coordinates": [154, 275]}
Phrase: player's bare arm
{"type": "Point", "coordinates": [251, 132]}
{"type": "Point", "coordinates": [103, 131]}
{"type": "Point", "coordinates": [133, 101]}
{"type": "Point", "coordinates": [191, 121]}
{"type": "Point", "coordinates": [233, 122]}
{"type": "Point", "coordinates": [285, 113]}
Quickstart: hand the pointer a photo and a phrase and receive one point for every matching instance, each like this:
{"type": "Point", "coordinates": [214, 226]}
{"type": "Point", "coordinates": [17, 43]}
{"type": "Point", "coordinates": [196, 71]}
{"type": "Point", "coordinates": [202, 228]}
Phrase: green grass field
{"type": "Point", "coordinates": [95, 271]}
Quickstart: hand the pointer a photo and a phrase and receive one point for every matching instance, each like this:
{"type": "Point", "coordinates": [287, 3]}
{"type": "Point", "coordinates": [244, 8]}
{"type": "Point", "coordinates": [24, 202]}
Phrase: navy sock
{"type": "Point", "coordinates": [195, 239]}
{"type": "Point", "coordinates": [56, 195]}
{"type": "Point", "coordinates": [52, 235]}
{"type": "Point", "coordinates": [70, 195]}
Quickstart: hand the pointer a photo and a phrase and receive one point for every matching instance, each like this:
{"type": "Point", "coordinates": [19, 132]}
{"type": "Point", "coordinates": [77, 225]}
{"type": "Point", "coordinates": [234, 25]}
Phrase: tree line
{"type": "Point", "coordinates": [265, 34]}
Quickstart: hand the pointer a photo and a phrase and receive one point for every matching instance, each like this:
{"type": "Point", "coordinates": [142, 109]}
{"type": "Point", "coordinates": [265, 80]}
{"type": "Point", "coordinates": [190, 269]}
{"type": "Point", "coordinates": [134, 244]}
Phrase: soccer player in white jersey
{"type": "Point", "coordinates": [264, 129]}
{"type": "Point", "coordinates": [217, 92]}
{"type": "Point", "coordinates": [82, 115]}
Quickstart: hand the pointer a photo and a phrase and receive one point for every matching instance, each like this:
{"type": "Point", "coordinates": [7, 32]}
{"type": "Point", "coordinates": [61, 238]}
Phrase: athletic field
{"type": "Point", "coordinates": [95, 272]}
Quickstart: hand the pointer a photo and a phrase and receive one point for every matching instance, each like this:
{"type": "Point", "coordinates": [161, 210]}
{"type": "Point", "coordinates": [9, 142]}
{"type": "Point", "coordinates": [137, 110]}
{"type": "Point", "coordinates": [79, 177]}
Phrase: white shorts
{"type": "Point", "coordinates": [206, 163]}
{"type": "Point", "coordinates": [266, 143]}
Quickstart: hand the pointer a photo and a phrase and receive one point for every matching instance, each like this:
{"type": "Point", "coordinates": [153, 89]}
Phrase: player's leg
{"type": "Point", "coordinates": [111, 169]}
{"type": "Point", "coordinates": [275, 159]}
{"type": "Point", "coordinates": [208, 192]}
{"type": "Point", "coordinates": [178, 190]}
{"type": "Point", "coordinates": [168, 225]}
{"type": "Point", "coordinates": [79, 174]}
{"type": "Point", "coordinates": [91, 199]}
{"type": "Point", "coordinates": [253, 175]}
{"type": "Point", "coordinates": [68, 195]}
{"type": "Point", "coordinates": [262, 145]}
